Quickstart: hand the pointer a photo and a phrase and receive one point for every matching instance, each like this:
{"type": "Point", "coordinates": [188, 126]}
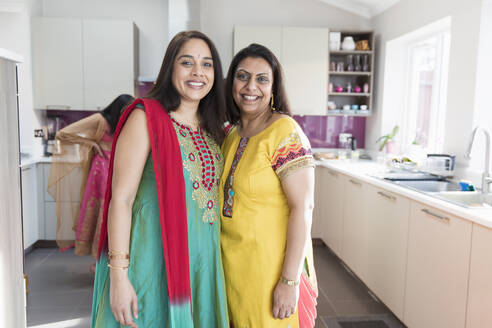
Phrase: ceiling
{"type": "Point", "coordinates": [364, 8]}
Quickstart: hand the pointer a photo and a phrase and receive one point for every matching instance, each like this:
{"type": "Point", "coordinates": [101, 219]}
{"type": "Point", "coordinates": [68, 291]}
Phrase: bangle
{"type": "Point", "coordinates": [289, 282]}
{"type": "Point", "coordinates": [117, 267]}
{"type": "Point", "coordinates": [119, 256]}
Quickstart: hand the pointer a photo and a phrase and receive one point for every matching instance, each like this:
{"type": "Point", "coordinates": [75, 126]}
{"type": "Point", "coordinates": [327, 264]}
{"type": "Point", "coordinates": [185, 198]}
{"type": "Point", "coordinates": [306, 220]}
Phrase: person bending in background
{"type": "Point", "coordinates": [83, 160]}
{"type": "Point", "coordinates": [160, 263]}
{"type": "Point", "coordinates": [267, 192]}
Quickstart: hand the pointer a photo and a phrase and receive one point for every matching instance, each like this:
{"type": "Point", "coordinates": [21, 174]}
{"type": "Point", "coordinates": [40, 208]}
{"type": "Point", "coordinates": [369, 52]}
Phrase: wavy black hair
{"type": "Point", "coordinates": [113, 111]}
{"type": "Point", "coordinates": [280, 100]}
{"type": "Point", "coordinates": [212, 106]}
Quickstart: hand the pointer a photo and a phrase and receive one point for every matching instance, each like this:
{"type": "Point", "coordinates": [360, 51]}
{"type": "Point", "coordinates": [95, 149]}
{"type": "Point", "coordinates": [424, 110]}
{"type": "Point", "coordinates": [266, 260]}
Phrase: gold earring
{"type": "Point", "coordinates": [271, 105]}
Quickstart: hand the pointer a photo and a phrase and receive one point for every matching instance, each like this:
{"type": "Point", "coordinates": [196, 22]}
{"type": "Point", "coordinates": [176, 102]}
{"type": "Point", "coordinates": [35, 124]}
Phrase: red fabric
{"type": "Point", "coordinates": [306, 306]}
{"type": "Point", "coordinates": [168, 167]}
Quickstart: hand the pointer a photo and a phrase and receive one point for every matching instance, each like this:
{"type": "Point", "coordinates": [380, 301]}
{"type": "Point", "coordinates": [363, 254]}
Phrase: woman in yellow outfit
{"type": "Point", "coordinates": [267, 198]}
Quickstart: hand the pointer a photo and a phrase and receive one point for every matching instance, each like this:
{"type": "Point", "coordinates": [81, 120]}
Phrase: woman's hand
{"type": "Point", "coordinates": [285, 299]}
{"type": "Point", "coordinates": [123, 299]}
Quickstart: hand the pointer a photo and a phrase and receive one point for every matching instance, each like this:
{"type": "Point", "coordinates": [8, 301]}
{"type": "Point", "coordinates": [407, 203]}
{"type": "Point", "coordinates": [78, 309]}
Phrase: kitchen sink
{"type": "Point", "coordinates": [429, 185]}
{"type": "Point", "coordinates": [467, 198]}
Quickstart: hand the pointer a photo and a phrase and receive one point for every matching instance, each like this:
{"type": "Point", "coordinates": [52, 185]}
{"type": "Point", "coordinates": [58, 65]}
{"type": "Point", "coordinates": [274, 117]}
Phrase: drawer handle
{"type": "Point", "coordinates": [59, 107]}
{"type": "Point", "coordinates": [392, 198]}
{"type": "Point", "coordinates": [355, 182]}
{"type": "Point", "coordinates": [333, 173]}
{"type": "Point", "coordinates": [437, 216]}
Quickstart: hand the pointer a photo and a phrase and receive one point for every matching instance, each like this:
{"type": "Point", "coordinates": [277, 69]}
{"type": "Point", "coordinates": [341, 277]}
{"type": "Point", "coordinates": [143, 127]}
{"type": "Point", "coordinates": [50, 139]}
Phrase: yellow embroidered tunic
{"type": "Point", "coordinates": [254, 229]}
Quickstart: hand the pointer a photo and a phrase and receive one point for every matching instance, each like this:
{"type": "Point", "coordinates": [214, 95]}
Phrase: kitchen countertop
{"type": "Point", "coordinates": [31, 160]}
{"type": "Point", "coordinates": [366, 171]}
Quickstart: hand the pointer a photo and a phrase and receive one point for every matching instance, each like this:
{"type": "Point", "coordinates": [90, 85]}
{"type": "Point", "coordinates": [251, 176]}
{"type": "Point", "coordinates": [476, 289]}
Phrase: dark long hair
{"type": "Point", "coordinates": [212, 106]}
{"type": "Point", "coordinates": [254, 50]}
{"type": "Point", "coordinates": [113, 111]}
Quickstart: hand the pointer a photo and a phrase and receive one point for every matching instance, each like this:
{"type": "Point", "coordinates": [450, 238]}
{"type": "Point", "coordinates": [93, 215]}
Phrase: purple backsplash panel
{"type": "Point", "coordinates": [69, 116]}
{"type": "Point", "coordinates": [323, 131]}
{"type": "Point", "coordinates": [144, 88]}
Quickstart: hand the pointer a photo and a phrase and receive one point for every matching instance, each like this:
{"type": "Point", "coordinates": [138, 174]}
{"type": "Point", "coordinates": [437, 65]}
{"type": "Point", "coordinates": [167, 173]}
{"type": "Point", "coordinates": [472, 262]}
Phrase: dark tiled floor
{"type": "Point", "coordinates": [60, 289]}
{"type": "Point", "coordinates": [61, 293]}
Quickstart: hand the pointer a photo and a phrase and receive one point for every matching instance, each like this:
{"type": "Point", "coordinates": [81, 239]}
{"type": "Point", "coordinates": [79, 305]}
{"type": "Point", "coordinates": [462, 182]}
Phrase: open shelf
{"type": "Point", "coordinates": [341, 112]}
{"type": "Point", "coordinates": [350, 94]}
{"type": "Point", "coordinates": [359, 73]}
{"type": "Point", "coordinates": [352, 52]}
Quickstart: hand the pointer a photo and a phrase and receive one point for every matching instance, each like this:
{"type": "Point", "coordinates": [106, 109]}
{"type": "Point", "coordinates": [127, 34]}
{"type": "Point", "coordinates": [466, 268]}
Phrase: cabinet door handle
{"type": "Point", "coordinates": [355, 182]}
{"type": "Point", "coordinates": [59, 107]}
{"type": "Point", "coordinates": [437, 216]}
{"type": "Point", "coordinates": [390, 197]}
{"type": "Point", "coordinates": [333, 173]}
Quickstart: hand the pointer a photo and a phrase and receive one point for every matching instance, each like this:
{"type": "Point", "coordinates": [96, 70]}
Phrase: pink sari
{"type": "Point", "coordinates": [91, 206]}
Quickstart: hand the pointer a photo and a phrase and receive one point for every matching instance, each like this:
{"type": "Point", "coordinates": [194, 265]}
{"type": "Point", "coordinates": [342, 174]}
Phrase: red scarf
{"type": "Point", "coordinates": [168, 167]}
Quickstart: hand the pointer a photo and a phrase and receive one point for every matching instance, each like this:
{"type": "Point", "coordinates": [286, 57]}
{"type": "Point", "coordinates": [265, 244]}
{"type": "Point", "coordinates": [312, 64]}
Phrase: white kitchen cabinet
{"type": "Point", "coordinates": [479, 314]}
{"type": "Point", "coordinates": [82, 63]}
{"type": "Point", "coordinates": [268, 36]}
{"type": "Point", "coordinates": [30, 221]}
{"type": "Point", "coordinates": [70, 190]}
{"type": "Point", "coordinates": [109, 59]}
{"type": "Point", "coordinates": [69, 204]}
{"type": "Point", "coordinates": [354, 237]}
{"type": "Point", "coordinates": [317, 226]}
{"type": "Point", "coordinates": [50, 221]}
{"type": "Point", "coordinates": [304, 60]}
{"type": "Point", "coordinates": [387, 241]}
{"type": "Point", "coordinates": [437, 268]}
{"type": "Point", "coordinates": [57, 63]}
{"type": "Point", "coordinates": [332, 205]}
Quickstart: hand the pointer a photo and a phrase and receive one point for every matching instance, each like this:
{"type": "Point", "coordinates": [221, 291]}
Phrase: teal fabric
{"type": "Point", "coordinates": [147, 271]}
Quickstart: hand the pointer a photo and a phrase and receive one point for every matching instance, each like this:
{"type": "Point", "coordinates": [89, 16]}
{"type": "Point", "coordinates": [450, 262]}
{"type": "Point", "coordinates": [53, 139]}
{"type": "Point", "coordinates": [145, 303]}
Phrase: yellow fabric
{"type": "Point", "coordinates": [69, 169]}
{"type": "Point", "coordinates": [254, 239]}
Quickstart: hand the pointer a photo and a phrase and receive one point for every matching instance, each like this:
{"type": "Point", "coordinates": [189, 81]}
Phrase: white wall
{"type": "Point", "coordinates": [409, 15]}
{"type": "Point", "coordinates": [15, 35]}
{"type": "Point", "coordinates": [483, 104]}
{"type": "Point", "coordinates": [183, 15]}
{"type": "Point", "coordinates": [218, 17]}
{"type": "Point", "coordinates": [150, 16]}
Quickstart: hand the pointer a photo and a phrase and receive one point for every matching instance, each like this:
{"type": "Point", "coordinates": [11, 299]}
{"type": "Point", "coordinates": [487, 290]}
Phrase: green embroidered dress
{"type": "Point", "coordinates": [202, 168]}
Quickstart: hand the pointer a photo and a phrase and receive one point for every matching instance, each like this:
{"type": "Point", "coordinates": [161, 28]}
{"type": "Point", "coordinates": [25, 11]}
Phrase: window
{"type": "Point", "coordinates": [426, 91]}
{"type": "Point", "coordinates": [415, 83]}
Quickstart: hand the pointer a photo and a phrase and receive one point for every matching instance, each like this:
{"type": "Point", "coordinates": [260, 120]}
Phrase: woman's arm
{"type": "Point", "coordinates": [299, 190]}
{"type": "Point", "coordinates": [132, 150]}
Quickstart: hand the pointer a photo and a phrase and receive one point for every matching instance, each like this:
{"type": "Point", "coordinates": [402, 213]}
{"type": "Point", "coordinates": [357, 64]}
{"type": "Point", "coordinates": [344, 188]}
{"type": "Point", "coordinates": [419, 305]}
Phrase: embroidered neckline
{"type": "Point", "coordinates": [186, 126]}
{"type": "Point", "coordinates": [228, 186]}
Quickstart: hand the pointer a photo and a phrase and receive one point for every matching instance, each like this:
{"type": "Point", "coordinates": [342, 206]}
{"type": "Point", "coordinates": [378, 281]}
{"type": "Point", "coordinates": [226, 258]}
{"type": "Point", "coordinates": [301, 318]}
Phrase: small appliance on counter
{"type": "Point", "coordinates": [440, 164]}
{"type": "Point", "coordinates": [53, 125]}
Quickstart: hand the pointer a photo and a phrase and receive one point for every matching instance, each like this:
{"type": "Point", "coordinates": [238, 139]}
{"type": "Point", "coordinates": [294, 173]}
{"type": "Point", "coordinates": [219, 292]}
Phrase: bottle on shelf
{"type": "Point", "coordinates": [350, 63]}
{"type": "Point", "coordinates": [357, 66]}
{"type": "Point", "coordinates": [349, 87]}
{"type": "Point", "coordinates": [365, 63]}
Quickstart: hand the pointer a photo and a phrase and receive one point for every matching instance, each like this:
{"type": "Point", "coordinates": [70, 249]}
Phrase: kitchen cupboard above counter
{"type": "Point", "coordinates": [366, 171]}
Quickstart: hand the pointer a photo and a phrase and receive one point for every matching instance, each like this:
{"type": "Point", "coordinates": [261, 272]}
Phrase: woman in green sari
{"type": "Point", "coordinates": [159, 258]}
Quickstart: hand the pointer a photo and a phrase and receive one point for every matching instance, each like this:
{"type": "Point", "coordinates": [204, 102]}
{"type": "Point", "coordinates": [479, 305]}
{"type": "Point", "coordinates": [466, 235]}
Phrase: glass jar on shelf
{"type": "Point", "coordinates": [350, 63]}
{"type": "Point", "coordinates": [365, 63]}
{"type": "Point", "coordinates": [357, 66]}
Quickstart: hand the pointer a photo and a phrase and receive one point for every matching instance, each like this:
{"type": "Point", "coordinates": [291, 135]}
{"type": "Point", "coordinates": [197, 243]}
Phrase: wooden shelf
{"type": "Point", "coordinates": [359, 73]}
{"type": "Point", "coordinates": [350, 94]}
{"type": "Point", "coordinates": [351, 52]}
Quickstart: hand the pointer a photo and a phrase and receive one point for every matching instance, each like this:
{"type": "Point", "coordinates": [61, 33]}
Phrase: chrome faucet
{"type": "Point", "coordinates": [486, 177]}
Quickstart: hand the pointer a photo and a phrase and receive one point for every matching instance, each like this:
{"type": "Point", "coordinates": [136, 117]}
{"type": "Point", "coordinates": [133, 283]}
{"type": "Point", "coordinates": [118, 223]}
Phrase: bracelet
{"type": "Point", "coordinates": [113, 252]}
{"type": "Point", "coordinates": [117, 267]}
{"type": "Point", "coordinates": [289, 282]}
{"type": "Point", "coordinates": [119, 256]}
